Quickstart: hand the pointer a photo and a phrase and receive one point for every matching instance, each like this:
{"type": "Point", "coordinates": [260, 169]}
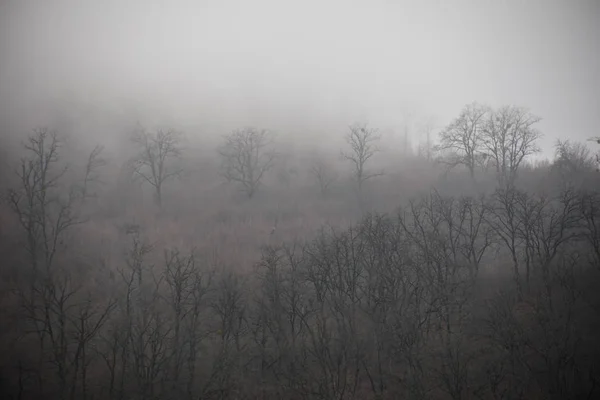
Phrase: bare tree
{"type": "Point", "coordinates": [590, 215]}
{"type": "Point", "coordinates": [187, 286]}
{"type": "Point", "coordinates": [407, 145]}
{"type": "Point", "coordinates": [247, 155]}
{"type": "Point", "coordinates": [448, 238]}
{"type": "Point", "coordinates": [427, 127]}
{"type": "Point", "coordinates": [179, 275]}
{"type": "Point", "coordinates": [463, 138]}
{"type": "Point", "coordinates": [572, 161]}
{"type": "Point", "coordinates": [276, 323]}
{"type": "Point", "coordinates": [87, 323]}
{"type": "Point", "coordinates": [395, 301]}
{"type": "Point", "coordinates": [572, 156]}
{"type": "Point", "coordinates": [504, 219]}
{"type": "Point", "coordinates": [120, 349]}
{"type": "Point", "coordinates": [540, 339]}
{"type": "Point", "coordinates": [95, 161]}
{"type": "Point", "coordinates": [509, 137]}
{"type": "Point", "coordinates": [558, 225]}
{"type": "Point", "coordinates": [153, 162]}
{"type": "Point", "coordinates": [229, 307]}
{"type": "Point", "coordinates": [285, 169]}
{"type": "Point", "coordinates": [194, 334]}
{"type": "Point", "coordinates": [323, 173]}
{"type": "Point", "coordinates": [597, 155]}
{"type": "Point", "coordinates": [147, 331]}
{"type": "Point", "coordinates": [47, 207]}
{"type": "Point", "coordinates": [362, 141]}
{"type": "Point", "coordinates": [44, 212]}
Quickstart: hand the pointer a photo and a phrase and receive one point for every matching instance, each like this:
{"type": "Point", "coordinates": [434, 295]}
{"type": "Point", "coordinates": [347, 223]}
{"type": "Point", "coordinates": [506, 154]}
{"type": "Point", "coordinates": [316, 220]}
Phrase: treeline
{"type": "Point", "coordinates": [462, 297]}
{"type": "Point", "coordinates": [398, 306]}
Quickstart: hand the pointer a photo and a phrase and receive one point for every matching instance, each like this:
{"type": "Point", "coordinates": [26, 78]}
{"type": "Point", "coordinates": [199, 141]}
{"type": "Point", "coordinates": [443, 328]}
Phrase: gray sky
{"type": "Point", "coordinates": [301, 65]}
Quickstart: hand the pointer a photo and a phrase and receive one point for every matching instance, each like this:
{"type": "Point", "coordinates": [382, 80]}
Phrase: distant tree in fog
{"type": "Point", "coordinates": [572, 159]}
{"type": "Point", "coordinates": [285, 170]}
{"type": "Point", "coordinates": [362, 141]}
{"type": "Point", "coordinates": [426, 147]}
{"type": "Point", "coordinates": [323, 173]}
{"type": "Point", "coordinates": [509, 137]}
{"type": "Point", "coordinates": [247, 155]}
{"type": "Point", "coordinates": [95, 161]}
{"type": "Point", "coordinates": [597, 155]}
{"type": "Point", "coordinates": [462, 138]}
{"type": "Point", "coordinates": [156, 151]}
{"type": "Point", "coordinates": [480, 136]}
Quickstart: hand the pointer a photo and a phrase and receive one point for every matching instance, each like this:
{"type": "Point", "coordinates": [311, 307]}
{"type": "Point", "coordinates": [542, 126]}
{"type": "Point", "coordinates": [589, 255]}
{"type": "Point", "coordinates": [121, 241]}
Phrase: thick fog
{"type": "Point", "coordinates": [300, 67]}
{"type": "Point", "coordinates": [304, 200]}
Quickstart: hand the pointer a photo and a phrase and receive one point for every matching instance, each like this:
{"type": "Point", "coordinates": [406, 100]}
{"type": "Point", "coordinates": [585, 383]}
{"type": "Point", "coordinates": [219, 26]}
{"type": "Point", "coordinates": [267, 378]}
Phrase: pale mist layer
{"type": "Point", "coordinates": [301, 68]}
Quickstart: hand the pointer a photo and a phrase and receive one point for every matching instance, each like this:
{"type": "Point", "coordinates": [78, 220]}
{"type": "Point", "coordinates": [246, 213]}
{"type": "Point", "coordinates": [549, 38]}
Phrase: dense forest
{"type": "Point", "coordinates": [169, 268]}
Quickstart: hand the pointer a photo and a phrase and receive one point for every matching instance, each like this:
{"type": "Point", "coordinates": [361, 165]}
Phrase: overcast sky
{"type": "Point", "coordinates": [304, 63]}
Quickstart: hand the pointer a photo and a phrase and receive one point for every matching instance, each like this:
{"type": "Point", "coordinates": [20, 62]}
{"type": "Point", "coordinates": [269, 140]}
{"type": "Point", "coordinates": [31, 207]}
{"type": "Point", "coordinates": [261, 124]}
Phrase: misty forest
{"type": "Point", "coordinates": [146, 255]}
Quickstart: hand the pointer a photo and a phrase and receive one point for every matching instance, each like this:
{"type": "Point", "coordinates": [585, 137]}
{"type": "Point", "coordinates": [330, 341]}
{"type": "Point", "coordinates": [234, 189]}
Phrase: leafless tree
{"type": "Point", "coordinates": [131, 326]}
{"type": "Point", "coordinates": [324, 174]}
{"type": "Point", "coordinates": [147, 328]}
{"type": "Point", "coordinates": [285, 169]}
{"type": "Point", "coordinates": [47, 207]}
{"type": "Point", "coordinates": [87, 322]}
{"type": "Point", "coordinates": [597, 154]}
{"type": "Point", "coordinates": [94, 162]}
{"type": "Point", "coordinates": [66, 326]}
{"type": "Point", "coordinates": [556, 223]}
{"type": "Point", "coordinates": [572, 161]}
{"type": "Point", "coordinates": [503, 326]}
{"type": "Point", "coordinates": [572, 156]}
{"type": "Point", "coordinates": [507, 224]}
{"type": "Point", "coordinates": [426, 148]}
{"type": "Point", "coordinates": [448, 238]}
{"type": "Point", "coordinates": [590, 223]}
{"type": "Point", "coordinates": [539, 339]}
{"type": "Point", "coordinates": [408, 117]}
{"type": "Point", "coordinates": [362, 141]}
{"type": "Point", "coordinates": [179, 275]}
{"type": "Point", "coordinates": [463, 138]}
{"type": "Point", "coordinates": [509, 136]}
{"type": "Point", "coordinates": [247, 155]}
{"type": "Point", "coordinates": [195, 325]}
{"type": "Point", "coordinates": [154, 161]}
{"type": "Point", "coordinates": [336, 342]}
{"type": "Point", "coordinates": [395, 307]}
{"type": "Point", "coordinates": [44, 212]}
{"type": "Point", "coordinates": [230, 310]}
{"type": "Point", "coordinates": [187, 287]}
{"type": "Point", "coordinates": [276, 325]}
